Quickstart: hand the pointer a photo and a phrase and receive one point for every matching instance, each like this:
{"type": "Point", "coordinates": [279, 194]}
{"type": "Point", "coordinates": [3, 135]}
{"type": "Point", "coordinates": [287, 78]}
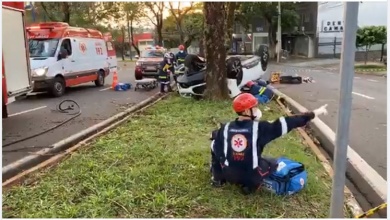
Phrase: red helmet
{"type": "Point", "coordinates": [181, 47]}
{"type": "Point", "coordinates": [250, 83]}
{"type": "Point", "coordinates": [244, 101]}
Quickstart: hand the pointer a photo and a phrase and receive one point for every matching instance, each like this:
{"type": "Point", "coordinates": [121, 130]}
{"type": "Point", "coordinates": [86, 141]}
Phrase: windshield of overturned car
{"type": "Point", "coordinates": [152, 53]}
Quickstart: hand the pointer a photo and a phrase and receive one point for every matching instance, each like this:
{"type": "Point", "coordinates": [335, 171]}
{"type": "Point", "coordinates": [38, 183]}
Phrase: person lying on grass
{"type": "Point", "coordinates": [237, 147]}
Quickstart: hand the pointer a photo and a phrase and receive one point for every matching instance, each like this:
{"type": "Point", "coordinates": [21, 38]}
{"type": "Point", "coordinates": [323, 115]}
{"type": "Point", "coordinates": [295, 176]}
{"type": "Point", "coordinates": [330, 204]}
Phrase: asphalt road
{"type": "Point", "coordinates": [38, 112]}
{"type": "Point", "coordinates": [368, 126]}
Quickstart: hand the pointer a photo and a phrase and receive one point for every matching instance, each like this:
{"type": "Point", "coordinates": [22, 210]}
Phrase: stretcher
{"type": "Point", "coordinates": [147, 84]}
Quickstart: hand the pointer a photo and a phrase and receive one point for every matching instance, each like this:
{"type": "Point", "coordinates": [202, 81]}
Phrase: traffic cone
{"type": "Point", "coordinates": [114, 80]}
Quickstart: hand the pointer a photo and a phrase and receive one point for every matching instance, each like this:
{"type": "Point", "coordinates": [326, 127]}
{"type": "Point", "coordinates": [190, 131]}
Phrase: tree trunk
{"type": "Point", "coordinates": [366, 56]}
{"type": "Point", "coordinates": [66, 11]}
{"type": "Point", "coordinates": [132, 38]}
{"type": "Point", "coordinates": [123, 43]}
{"type": "Point", "coordinates": [129, 35]}
{"type": "Point", "coordinates": [382, 52]}
{"type": "Point", "coordinates": [201, 47]}
{"type": "Point", "coordinates": [159, 27]}
{"type": "Point", "coordinates": [231, 6]}
{"type": "Point", "coordinates": [216, 84]}
{"type": "Point", "coordinates": [272, 41]}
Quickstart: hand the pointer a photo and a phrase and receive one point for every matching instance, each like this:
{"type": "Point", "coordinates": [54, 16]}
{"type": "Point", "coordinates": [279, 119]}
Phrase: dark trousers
{"type": "Point", "coordinates": [251, 179]}
{"type": "Point", "coordinates": [165, 84]}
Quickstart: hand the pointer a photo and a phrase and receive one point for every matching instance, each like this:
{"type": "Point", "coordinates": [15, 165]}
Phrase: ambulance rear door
{"type": "Point", "coordinates": [16, 66]}
{"type": "Point", "coordinates": [111, 53]}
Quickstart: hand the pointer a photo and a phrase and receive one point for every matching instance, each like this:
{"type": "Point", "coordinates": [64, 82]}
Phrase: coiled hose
{"type": "Point", "coordinates": [68, 106]}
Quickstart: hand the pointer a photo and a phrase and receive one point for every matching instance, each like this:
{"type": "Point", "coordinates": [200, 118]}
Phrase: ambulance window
{"type": "Point", "coordinates": [109, 46]}
{"type": "Point", "coordinates": [67, 46]}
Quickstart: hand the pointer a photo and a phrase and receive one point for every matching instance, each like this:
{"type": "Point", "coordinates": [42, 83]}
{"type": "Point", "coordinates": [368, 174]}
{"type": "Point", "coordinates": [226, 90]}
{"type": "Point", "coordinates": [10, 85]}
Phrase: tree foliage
{"type": "Point", "coordinates": [183, 27]}
{"type": "Point", "coordinates": [134, 11]}
{"type": "Point", "coordinates": [368, 36]}
{"type": "Point", "coordinates": [179, 14]}
{"type": "Point", "coordinates": [74, 13]}
{"type": "Point", "coordinates": [155, 16]}
{"type": "Point", "coordinates": [268, 11]}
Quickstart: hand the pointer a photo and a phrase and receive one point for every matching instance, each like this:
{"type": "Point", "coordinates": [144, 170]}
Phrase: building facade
{"type": "Point", "coordinates": [330, 24]}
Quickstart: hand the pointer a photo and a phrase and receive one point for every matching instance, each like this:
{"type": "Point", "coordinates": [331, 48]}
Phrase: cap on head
{"type": "Point", "coordinates": [243, 102]}
{"type": "Point", "coordinates": [181, 47]}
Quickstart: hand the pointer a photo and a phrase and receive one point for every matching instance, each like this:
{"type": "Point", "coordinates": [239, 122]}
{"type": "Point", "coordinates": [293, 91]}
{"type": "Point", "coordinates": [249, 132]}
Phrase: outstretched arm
{"type": "Point", "coordinates": [269, 131]}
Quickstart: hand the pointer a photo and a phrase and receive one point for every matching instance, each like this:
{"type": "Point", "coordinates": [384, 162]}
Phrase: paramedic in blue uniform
{"type": "Point", "coordinates": [181, 55]}
{"type": "Point", "coordinates": [261, 92]}
{"type": "Point", "coordinates": [166, 68]}
{"type": "Point", "coordinates": [237, 147]}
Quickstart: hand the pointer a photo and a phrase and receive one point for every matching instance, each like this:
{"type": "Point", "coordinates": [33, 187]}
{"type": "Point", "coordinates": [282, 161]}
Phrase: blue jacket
{"type": "Point", "coordinates": [180, 57]}
{"type": "Point", "coordinates": [240, 144]}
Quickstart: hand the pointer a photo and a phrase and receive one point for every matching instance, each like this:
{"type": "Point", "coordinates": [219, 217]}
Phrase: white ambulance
{"type": "Point", "coordinates": [62, 56]}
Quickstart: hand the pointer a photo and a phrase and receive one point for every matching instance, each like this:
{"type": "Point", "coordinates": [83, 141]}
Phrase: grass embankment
{"type": "Point", "coordinates": [157, 165]}
{"type": "Point", "coordinates": [371, 68]}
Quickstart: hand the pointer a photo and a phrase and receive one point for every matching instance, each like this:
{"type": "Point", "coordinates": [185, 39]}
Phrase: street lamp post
{"type": "Point", "coordinates": [346, 83]}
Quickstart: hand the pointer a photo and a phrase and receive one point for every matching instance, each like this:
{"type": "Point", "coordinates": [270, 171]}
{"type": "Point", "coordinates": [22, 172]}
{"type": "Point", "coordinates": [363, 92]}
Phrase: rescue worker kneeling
{"type": "Point", "coordinates": [166, 69]}
{"type": "Point", "coordinates": [237, 147]}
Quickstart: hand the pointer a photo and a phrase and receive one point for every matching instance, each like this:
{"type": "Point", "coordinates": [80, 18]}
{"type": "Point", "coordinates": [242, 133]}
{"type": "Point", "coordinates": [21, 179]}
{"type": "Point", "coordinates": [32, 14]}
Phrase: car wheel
{"type": "Point", "coordinates": [100, 80]}
{"type": "Point", "coordinates": [58, 87]}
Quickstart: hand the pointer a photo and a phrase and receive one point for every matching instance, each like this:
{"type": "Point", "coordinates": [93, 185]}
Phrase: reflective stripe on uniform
{"type": "Point", "coordinates": [261, 91]}
{"type": "Point", "coordinates": [212, 146]}
{"type": "Point", "coordinates": [162, 77]}
{"type": "Point", "coordinates": [225, 143]}
{"type": "Point", "coordinates": [255, 156]}
{"type": "Point", "coordinates": [283, 124]}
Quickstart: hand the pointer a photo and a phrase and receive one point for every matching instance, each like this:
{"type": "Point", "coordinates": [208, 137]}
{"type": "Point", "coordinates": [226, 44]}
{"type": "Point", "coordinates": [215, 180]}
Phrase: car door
{"type": "Point", "coordinates": [68, 67]}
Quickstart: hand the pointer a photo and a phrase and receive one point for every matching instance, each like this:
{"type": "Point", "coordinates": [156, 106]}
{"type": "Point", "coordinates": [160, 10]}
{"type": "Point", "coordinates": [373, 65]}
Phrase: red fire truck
{"type": "Point", "coordinates": [15, 60]}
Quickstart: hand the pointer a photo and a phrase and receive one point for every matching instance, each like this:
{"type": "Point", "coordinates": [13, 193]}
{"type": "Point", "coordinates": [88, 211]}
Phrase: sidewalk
{"type": "Point", "coordinates": [157, 166]}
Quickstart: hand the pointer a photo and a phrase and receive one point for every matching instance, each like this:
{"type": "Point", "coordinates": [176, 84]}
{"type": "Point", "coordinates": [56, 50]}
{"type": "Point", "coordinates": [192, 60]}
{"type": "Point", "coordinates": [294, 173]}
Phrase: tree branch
{"type": "Point", "coordinates": [45, 10]}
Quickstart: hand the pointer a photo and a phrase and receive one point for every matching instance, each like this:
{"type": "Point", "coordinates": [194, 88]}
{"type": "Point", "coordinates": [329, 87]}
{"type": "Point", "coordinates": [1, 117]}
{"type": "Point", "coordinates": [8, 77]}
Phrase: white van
{"type": "Point", "coordinates": [62, 56]}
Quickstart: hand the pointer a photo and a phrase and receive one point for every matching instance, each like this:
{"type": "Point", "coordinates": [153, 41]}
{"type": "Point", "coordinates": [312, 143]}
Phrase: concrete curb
{"type": "Point", "coordinates": [19, 166]}
{"type": "Point", "coordinates": [363, 176]}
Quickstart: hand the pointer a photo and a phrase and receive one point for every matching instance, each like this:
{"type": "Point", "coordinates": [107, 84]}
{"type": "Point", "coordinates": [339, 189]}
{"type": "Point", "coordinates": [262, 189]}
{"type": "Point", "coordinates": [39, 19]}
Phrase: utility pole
{"type": "Point", "coordinates": [279, 35]}
{"type": "Point", "coordinates": [351, 10]}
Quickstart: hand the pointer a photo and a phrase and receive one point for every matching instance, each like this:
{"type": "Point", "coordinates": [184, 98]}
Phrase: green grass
{"type": "Point", "coordinates": [157, 165]}
{"type": "Point", "coordinates": [371, 68]}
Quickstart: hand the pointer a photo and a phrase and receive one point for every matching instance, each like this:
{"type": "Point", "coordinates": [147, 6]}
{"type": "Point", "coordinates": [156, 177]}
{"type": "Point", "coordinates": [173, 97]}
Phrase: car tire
{"type": "Point", "coordinates": [100, 80]}
{"type": "Point", "coordinates": [58, 87]}
{"type": "Point", "coordinates": [264, 56]}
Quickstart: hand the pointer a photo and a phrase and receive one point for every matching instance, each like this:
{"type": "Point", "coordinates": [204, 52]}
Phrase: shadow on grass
{"type": "Point", "coordinates": [157, 165]}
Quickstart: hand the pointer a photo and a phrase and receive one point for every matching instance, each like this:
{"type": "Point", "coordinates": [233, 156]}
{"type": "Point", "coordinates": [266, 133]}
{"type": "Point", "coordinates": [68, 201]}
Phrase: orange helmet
{"type": "Point", "coordinates": [181, 47]}
{"type": "Point", "coordinates": [243, 102]}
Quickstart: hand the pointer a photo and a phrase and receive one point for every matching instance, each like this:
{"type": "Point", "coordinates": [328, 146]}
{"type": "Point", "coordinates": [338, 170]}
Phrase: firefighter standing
{"type": "Point", "coordinates": [237, 146]}
{"type": "Point", "coordinates": [181, 55]}
{"type": "Point", "coordinates": [166, 69]}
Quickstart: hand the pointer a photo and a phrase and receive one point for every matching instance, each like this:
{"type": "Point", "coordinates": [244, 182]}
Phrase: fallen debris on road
{"type": "Point", "coordinates": [157, 165]}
